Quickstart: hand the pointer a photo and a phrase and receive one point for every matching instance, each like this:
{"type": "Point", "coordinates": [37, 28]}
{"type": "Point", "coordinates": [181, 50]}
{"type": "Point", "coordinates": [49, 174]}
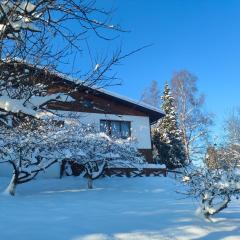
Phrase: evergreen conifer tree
{"type": "Point", "coordinates": [169, 149]}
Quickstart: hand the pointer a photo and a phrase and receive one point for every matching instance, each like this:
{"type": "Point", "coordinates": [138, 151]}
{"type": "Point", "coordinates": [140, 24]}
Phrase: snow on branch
{"type": "Point", "coordinates": [31, 106]}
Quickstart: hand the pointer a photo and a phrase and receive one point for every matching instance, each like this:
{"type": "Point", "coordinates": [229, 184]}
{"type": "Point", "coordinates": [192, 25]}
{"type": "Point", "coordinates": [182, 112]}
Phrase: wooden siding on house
{"type": "Point", "coordinates": [99, 105]}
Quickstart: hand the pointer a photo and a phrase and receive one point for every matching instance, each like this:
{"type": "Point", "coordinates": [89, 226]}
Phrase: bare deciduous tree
{"type": "Point", "coordinates": [232, 127]}
{"type": "Point", "coordinates": [194, 122]}
{"type": "Point", "coordinates": [47, 34]}
{"type": "Point", "coordinates": [152, 95]}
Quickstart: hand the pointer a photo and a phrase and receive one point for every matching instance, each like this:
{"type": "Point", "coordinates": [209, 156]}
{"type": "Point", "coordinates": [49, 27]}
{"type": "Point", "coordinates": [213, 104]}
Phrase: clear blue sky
{"type": "Point", "coordinates": [202, 36]}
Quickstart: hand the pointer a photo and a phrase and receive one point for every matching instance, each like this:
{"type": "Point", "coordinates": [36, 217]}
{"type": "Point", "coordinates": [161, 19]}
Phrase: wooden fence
{"type": "Point", "coordinates": [79, 169]}
{"type": "Point", "coordinates": [134, 172]}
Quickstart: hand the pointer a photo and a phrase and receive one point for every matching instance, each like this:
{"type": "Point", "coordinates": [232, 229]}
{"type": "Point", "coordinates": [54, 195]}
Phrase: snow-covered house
{"type": "Point", "coordinates": [116, 115]}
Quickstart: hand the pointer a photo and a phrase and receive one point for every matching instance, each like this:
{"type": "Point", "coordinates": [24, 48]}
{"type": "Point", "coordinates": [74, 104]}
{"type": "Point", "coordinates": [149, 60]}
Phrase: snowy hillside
{"type": "Point", "coordinates": [117, 209]}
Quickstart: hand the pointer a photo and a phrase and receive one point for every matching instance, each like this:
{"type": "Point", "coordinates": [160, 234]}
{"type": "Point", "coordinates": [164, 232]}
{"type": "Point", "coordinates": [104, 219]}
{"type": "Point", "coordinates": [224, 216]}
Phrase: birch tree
{"type": "Point", "coordinates": [152, 95]}
{"type": "Point", "coordinates": [232, 126]}
{"type": "Point", "coordinates": [194, 121]}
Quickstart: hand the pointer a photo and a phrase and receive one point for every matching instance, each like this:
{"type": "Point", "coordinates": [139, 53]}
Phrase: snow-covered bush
{"type": "Point", "coordinates": [34, 146]}
{"type": "Point", "coordinates": [95, 151]}
{"type": "Point", "coordinates": [217, 181]}
{"type": "Point", "coordinates": [215, 187]}
{"type": "Point", "coordinates": [30, 147]}
{"type": "Point", "coordinates": [100, 151]}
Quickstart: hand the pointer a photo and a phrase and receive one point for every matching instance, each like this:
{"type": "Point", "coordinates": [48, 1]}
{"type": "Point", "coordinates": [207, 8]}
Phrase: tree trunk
{"type": "Point", "coordinates": [11, 189]}
{"type": "Point", "coordinates": [90, 183]}
{"type": "Point", "coordinates": [209, 209]}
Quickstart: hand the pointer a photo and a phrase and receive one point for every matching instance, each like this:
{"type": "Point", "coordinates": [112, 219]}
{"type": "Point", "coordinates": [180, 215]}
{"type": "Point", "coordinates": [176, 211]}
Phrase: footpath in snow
{"type": "Point", "coordinates": [116, 209]}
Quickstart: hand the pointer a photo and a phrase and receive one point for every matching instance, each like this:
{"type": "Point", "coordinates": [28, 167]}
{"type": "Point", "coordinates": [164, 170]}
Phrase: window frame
{"type": "Point", "coordinates": [108, 123]}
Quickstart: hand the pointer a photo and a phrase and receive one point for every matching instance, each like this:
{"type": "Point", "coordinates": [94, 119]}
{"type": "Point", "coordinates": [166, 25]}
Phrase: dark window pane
{"type": "Point", "coordinates": [115, 129]}
{"type": "Point", "coordinates": [104, 126]}
{"type": "Point", "coordinates": [125, 129]}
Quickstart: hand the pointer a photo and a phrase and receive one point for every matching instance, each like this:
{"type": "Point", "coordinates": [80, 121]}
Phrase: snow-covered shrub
{"type": "Point", "coordinates": [215, 187]}
{"type": "Point", "coordinates": [34, 146]}
{"type": "Point", "coordinates": [95, 151]}
{"type": "Point", "coordinates": [30, 147]}
{"type": "Point", "coordinates": [217, 182]}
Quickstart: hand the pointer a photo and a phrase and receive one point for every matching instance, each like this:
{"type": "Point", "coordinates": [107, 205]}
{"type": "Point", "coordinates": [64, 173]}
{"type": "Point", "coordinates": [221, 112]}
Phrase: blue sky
{"type": "Point", "coordinates": [202, 36]}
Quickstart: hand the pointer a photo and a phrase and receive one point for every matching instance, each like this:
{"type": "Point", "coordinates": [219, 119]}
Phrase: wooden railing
{"type": "Point", "coordinates": [78, 169]}
{"type": "Point", "coordinates": [134, 172]}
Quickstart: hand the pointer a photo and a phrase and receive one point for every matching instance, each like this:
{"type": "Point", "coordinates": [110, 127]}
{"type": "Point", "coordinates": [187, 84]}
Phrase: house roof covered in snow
{"type": "Point", "coordinates": [153, 112]}
{"type": "Point", "coordinates": [76, 84]}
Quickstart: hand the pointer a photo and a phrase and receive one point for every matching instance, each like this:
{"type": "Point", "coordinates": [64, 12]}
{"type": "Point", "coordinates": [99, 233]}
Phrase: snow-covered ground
{"type": "Point", "coordinates": [118, 208]}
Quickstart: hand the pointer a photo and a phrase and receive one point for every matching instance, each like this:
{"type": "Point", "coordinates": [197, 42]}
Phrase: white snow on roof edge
{"type": "Point", "coordinates": [139, 103]}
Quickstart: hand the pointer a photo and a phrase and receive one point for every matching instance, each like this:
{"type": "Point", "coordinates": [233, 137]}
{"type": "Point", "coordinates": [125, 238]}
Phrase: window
{"type": "Point", "coordinates": [116, 129]}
